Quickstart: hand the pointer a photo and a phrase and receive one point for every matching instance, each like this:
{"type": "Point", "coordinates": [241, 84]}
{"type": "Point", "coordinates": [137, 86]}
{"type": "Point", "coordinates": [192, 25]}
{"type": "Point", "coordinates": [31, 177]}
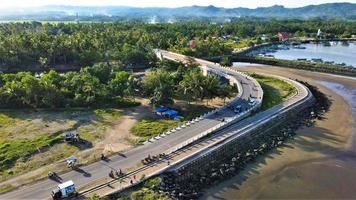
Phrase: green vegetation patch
{"type": "Point", "coordinates": [148, 128]}
{"type": "Point", "coordinates": [145, 192]}
{"type": "Point", "coordinates": [191, 111]}
{"type": "Point", "coordinates": [275, 90]}
{"type": "Point", "coordinates": [108, 114]}
{"type": "Point", "coordinates": [6, 188]}
{"type": "Point", "coordinates": [30, 139]}
{"type": "Point", "coordinates": [10, 152]}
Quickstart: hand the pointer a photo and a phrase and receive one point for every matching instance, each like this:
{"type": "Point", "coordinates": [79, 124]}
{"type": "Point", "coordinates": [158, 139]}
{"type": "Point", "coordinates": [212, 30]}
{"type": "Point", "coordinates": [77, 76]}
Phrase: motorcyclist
{"type": "Point", "coordinates": [50, 174]}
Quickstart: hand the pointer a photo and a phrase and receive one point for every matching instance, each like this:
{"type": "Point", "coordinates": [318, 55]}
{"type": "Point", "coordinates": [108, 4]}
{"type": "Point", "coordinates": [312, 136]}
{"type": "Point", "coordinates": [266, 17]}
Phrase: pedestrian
{"type": "Point", "coordinates": [131, 181]}
{"type": "Point", "coordinates": [120, 171]}
{"type": "Point", "coordinates": [168, 162]}
{"type": "Point", "coordinates": [134, 176]}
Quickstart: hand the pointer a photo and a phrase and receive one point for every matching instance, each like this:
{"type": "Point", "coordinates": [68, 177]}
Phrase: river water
{"type": "Point", "coordinates": [337, 53]}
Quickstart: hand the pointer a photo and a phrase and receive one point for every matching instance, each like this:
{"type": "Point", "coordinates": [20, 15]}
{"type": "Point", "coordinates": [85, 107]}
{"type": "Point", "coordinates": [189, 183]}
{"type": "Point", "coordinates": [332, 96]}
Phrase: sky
{"type": "Point", "coordinates": [167, 3]}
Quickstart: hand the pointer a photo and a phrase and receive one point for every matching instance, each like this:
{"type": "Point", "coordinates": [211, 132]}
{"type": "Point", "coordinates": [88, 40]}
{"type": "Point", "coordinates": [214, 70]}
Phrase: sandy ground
{"type": "Point", "coordinates": [118, 138]}
{"type": "Point", "coordinates": [319, 163]}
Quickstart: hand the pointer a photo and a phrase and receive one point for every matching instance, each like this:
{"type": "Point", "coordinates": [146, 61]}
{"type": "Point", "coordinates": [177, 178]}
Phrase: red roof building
{"type": "Point", "coordinates": [192, 44]}
{"type": "Point", "coordinates": [283, 36]}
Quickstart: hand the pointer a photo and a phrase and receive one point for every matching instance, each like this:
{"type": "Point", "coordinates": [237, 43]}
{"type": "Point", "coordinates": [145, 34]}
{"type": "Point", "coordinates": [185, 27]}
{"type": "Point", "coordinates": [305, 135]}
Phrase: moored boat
{"type": "Point", "coordinates": [326, 44]}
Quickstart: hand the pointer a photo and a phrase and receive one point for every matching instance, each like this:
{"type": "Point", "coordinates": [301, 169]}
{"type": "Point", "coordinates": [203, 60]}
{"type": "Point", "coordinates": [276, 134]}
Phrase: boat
{"type": "Point", "coordinates": [298, 47]}
{"type": "Point", "coordinates": [302, 59]}
{"type": "Point", "coordinates": [296, 43]}
{"type": "Point", "coordinates": [333, 43]}
{"type": "Point", "coordinates": [283, 47]}
{"type": "Point", "coordinates": [345, 43]}
{"type": "Point", "coordinates": [317, 60]}
{"type": "Point", "coordinates": [329, 62]}
{"type": "Point", "coordinates": [269, 56]}
{"type": "Point", "coordinates": [326, 44]}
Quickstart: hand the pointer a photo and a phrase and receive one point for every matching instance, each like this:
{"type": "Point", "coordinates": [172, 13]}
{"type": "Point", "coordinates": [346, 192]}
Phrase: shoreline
{"type": "Point", "coordinates": [319, 162]}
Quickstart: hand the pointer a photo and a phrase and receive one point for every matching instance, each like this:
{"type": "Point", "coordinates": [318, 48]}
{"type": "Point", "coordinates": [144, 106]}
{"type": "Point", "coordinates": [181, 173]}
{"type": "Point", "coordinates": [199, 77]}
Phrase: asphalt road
{"type": "Point", "coordinates": [244, 127]}
{"type": "Point", "coordinates": [98, 170]}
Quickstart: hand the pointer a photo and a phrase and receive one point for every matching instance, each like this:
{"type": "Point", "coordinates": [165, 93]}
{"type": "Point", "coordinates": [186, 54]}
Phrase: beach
{"type": "Point", "coordinates": [318, 163]}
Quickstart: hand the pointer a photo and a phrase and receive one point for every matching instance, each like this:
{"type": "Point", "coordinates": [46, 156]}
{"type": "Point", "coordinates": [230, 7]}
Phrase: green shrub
{"type": "Point", "coordinates": [148, 128]}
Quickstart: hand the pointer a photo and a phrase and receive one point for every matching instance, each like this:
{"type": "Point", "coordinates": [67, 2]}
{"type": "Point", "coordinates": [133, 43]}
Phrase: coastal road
{"type": "Point", "coordinates": [98, 171]}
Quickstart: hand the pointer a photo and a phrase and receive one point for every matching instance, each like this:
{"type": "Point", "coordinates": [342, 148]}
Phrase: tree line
{"type": "Point", "coordinates": [46, 45]}
{"type": "Point", "coordinates": [104, 84]}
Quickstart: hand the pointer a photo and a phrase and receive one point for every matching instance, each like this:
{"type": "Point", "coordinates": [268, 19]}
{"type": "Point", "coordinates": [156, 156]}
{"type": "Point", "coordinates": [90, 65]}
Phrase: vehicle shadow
{"type": "Point", "coordinates": [56, 178]}
{"type": "Point", "coordinates": [121, 154]}
{"type": "Point", "coordinates": [85, 174]}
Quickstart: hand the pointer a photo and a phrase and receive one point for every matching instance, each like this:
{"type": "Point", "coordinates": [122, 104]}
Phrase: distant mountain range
{"type": "Point", "coordinates": [109, 13]}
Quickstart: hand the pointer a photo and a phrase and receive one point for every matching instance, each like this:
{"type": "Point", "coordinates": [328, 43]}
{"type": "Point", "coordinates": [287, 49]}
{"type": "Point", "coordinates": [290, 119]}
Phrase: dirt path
{"type": "Point", "coordinates": [319, 163]}
{"type": "Point", "coordinates": [118, 137]}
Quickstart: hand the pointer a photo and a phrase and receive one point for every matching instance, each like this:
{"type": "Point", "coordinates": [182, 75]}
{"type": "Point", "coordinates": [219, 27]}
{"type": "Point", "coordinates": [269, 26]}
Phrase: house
{"type": "Point", "coordinates": [192, 44]}
{"type": "Point", "coordinates": [283, 36]}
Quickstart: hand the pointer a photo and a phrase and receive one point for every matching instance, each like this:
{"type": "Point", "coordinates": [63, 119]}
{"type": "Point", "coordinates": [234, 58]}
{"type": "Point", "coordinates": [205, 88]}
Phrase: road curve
{"type": "Point", "coordinates": [98, 172]}
{"type": "Point", "coordinates": [230, 131]}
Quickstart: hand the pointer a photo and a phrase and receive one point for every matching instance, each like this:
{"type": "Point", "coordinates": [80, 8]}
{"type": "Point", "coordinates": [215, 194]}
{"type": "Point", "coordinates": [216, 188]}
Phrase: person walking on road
{"type": "Point", "coordinates": [134, 177]}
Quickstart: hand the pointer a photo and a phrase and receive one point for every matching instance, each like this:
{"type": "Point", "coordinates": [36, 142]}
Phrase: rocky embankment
{"type": "Point", "coordinates": [193, 187]}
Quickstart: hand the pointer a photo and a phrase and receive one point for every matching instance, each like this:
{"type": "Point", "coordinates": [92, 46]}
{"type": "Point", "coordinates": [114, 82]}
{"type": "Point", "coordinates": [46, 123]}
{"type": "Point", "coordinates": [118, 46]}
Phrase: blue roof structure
{"type": "Point", "coordinates": [171, 113]}
{"type": "Point", "coordinates": [161, 109]}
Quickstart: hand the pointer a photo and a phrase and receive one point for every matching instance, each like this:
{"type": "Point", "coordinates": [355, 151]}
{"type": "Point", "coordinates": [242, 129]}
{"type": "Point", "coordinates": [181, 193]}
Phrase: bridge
{"type": "Point", "coordinates": [176, 144]}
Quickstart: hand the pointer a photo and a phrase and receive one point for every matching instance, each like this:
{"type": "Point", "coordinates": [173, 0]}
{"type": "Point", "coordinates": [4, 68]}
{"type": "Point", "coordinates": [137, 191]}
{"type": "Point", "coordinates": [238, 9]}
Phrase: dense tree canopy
{"type": "Point", "coordinates": [46, 45]}
{"type": "Point", "coordinates": [102, 52]}
{"type": "Point", "coordinates": [51, 89]}
{"type": "Point", "coordinates": [182, 81]}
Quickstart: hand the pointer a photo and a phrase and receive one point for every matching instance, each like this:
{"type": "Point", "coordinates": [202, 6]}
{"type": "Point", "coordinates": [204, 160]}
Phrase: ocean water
{"type": "Point", "coordinates": [336, 53]}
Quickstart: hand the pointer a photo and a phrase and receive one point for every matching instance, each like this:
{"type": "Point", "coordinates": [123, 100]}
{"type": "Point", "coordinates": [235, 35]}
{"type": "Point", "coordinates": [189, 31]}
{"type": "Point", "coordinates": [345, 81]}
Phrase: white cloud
{"type": "Point", "coordinates": [167, 3]}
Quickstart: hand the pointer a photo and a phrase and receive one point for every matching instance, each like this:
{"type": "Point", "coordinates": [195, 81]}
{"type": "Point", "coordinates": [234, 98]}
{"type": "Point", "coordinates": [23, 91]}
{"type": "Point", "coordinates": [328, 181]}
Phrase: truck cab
{"type": "Point", "coordinates": [64, 190]}
{"type": "Point", "coordinates": [237, 109]}
{"type": "Point", "coordinates": [252, 102]}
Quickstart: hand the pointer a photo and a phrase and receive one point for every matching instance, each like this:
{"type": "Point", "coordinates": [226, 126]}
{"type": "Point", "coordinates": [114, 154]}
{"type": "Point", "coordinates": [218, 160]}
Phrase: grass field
{"type": "Point", "coordinates": [31, 139]}
{"type": "Point", "coordinates": [275, 90]}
